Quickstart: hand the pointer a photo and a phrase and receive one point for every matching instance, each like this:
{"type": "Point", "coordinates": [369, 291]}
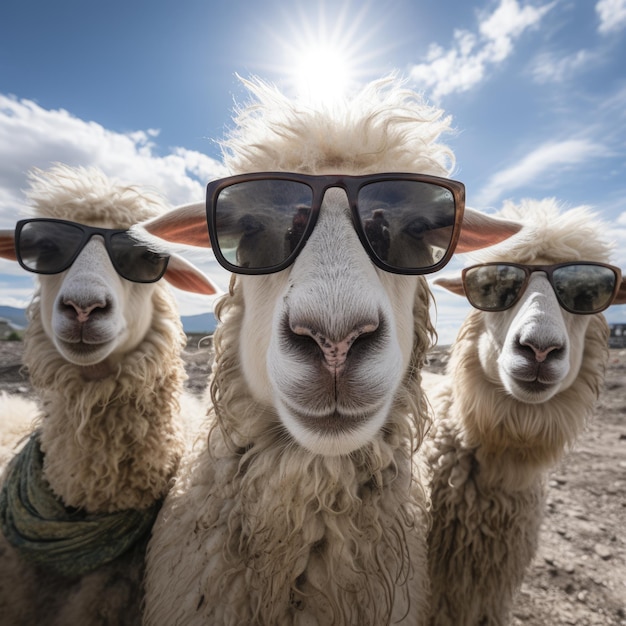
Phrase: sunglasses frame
{"type": "Point", "coordinates": [319, 184]}
{"type": "Point", "coordinates": [549, 271]}
{"type": "Point", "coordinates": [87, 233]}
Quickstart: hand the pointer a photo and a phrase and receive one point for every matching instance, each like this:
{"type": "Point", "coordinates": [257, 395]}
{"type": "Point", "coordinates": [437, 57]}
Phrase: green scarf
{"type": "Point", "coordinates": [70, 542]}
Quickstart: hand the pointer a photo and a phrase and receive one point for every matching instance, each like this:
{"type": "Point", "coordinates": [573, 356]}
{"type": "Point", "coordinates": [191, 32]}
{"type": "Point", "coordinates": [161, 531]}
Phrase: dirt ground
{"type": "Point", "coordinates": [579, 574]}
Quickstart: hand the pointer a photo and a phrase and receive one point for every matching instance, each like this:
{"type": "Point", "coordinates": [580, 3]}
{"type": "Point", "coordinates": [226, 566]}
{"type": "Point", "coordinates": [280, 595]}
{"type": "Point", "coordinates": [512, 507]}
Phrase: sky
{"type": "Point", "coordinates": [145, 89]}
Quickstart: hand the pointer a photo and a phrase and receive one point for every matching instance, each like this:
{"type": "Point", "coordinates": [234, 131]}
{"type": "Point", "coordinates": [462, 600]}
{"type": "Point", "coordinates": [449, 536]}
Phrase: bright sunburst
{"type": "Point", "coordinates": [325, 56]}
{"type": "Point", "coordinates": [322, 72]}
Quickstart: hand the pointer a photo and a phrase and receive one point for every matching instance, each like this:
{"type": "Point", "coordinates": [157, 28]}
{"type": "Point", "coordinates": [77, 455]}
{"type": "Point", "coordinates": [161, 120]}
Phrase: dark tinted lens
{"type": "Point", "coordinates": [493, 287]}
{"type": "Point", "coordinates": [135, 261]}
{"type": "Point", "coordinates": [260, 224]}
{"type": "Point", "coordinates": [408, 224]}
{"type": "Point", "coordinates": [584, 288]}
{"type": "Point", "coordinates": [48, 247]}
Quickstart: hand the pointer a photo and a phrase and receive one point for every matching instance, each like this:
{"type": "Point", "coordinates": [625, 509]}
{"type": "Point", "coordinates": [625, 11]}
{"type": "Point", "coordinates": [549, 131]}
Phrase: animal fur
{"type": "Point", "coordinates": [288, 514]}
{"type": "Point", "coordinates": [257, 529]}
{"type": "Point", "coordinates": [111, 441]}
{"type": "Point", "coordinates": [488, 453]}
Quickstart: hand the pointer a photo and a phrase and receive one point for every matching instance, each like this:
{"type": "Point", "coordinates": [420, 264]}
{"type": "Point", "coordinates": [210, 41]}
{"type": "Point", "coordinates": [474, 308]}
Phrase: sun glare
{"type": "Point", "coordinates": [322, 73]}
{"type": "Point", "coordinates": [325, 56]}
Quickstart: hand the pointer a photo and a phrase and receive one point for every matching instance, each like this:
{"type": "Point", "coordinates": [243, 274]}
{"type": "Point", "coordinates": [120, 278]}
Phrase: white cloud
{"type": "Point", "coordinates": [31, 136]}
{"type": "Point", "coordinates": [16, 285]}
{"type": "Point", "coordinates": [552, 157]}
{"type": "Point", "coordinates": [465, 64]}
{"type": "Point", "coordinates": [612, 15]}
{"type": "Point", "coordinates": [618, 235]}
{"type": "Point", "coordinates": [549, 68]}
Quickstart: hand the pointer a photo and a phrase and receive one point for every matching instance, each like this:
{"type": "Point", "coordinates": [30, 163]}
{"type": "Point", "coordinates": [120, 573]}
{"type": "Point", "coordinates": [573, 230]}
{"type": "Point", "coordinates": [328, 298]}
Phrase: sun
{"type": "Point", "coordinates": [322, 72]}
{"type": "Point", "coordinates": [325, 56]}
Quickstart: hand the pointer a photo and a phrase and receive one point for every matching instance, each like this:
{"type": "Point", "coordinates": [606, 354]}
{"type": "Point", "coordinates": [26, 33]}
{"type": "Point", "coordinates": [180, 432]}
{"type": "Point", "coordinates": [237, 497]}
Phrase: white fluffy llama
{"type": "Point", "coordinates": [302, 507]}
{"type": "Point", "coordinates": [103, 355]}
{"type": "Point", "coordinates": [519, 387]}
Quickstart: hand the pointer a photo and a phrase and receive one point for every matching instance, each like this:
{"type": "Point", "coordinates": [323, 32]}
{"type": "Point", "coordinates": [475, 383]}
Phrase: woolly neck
{"type": "Point", "coordinates": [112, 443]}
{"type": "Point", "coordinates": [69, 542]}
{"type": "Point", "coordinates": [307, 530]}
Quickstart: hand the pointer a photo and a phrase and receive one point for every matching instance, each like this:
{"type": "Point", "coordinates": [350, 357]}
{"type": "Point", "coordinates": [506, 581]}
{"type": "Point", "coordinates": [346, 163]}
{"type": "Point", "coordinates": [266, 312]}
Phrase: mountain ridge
{"type": "Point", "coordinates": [201, 323]}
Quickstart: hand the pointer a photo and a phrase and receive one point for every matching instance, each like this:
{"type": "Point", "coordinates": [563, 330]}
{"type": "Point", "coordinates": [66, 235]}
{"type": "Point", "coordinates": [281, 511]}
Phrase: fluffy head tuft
{"type": "Point", "coordinates": [87, 196]}
{"type": "Point", "coordinates": [382, 128]}
{"type": "Point", "coordinates": [550, 234]}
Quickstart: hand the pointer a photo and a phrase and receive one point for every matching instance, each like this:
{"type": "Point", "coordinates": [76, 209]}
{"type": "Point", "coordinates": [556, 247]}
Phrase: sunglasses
{"type": "Point", "coordinates": [50, 246]}
{"type": "Point", "coordinates": [581, 287]}
{"type": "Point", "coordinates": [407, 223]}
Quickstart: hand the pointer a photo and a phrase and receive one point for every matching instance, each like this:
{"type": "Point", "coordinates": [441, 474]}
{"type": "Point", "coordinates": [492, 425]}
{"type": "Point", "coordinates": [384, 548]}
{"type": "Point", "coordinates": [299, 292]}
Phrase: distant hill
{"type": "Point", "coordinates": [203, 323]}
{"type": "Point", "coordinates": [16, 317]}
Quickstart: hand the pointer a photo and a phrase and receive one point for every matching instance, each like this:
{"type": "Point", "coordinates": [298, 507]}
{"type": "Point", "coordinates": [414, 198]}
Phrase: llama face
{"type": "Point", "coordinates": [90, 313]}
{"type": "Point", "coordinates": [534, 348]}
{"type": "Point", "coordinates": [327, 341]}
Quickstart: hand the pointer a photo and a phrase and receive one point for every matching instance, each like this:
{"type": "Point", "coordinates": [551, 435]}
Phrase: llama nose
{"type": "Point", "coordinates": [83, 311]}
{"type": "Point", "coordinates": [541, 353]}
{"type": "Point", "coordinates": [335, 352]}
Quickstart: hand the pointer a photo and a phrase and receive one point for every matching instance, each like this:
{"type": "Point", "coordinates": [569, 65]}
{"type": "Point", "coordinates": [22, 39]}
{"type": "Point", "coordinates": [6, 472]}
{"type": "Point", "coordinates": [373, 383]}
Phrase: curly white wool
{"type": "Point", "coordinates": [488, 451]}
{"type": "Point", "coordinates": [112, 433]}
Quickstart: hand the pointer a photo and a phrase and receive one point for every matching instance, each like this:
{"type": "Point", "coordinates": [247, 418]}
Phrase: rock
{"type": "Point", "coordinates": [604, 552]}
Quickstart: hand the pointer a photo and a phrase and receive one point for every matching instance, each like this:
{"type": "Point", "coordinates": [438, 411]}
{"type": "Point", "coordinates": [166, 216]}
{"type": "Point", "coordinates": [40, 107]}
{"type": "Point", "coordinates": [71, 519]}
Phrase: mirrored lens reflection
{"type": "Point", "coordinates": [48, 247]}
{"type": "Point", "coordinates": [494, 287]}
{"type": "Point", "coordinates": [408, 224]}
{"type": "Point", "coordinates": [584, 288]}
{"type": "Point", "coordinates": [261, 223]}
{"type": "Point", "coordinates": [134, 261]}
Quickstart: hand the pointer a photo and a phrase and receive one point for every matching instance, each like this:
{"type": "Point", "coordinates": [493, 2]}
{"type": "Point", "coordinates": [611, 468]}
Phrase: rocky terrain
{"type": "Point", "coordinates": [578, 577]}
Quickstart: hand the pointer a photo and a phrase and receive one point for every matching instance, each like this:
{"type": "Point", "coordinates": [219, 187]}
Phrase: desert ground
{"type": "Point", "coordinates": [578, 576]}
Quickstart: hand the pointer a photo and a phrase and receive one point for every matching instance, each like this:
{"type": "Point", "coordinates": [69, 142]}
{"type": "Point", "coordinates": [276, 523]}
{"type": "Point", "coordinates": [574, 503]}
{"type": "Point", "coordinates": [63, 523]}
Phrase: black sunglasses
{"type": "Point", "coordinates": [50, 246]}
{"type": "Point", "coordinates": [407, 223]}
{"type": "Point", "coordinates": [581, 287]}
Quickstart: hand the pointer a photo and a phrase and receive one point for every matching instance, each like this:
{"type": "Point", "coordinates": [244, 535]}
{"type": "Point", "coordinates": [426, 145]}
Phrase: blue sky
{"type": "Point", "coordinates": [143, 88]}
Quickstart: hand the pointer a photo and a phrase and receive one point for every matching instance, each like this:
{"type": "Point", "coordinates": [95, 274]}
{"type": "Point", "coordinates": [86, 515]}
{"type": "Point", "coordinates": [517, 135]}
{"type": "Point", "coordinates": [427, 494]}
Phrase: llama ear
{"type": "Point", "coordinates": [620, 298]}
{"type": "Point", "coordinates": [185, 224]}
{"type": "Point", "coordinates": [451, 283]}
{"type": "Point", "coordinates": [479, 231]}
{"type": "Point", "coordinates": [7, 244]}
{"type": "Point", "coordinates": [186, 276]}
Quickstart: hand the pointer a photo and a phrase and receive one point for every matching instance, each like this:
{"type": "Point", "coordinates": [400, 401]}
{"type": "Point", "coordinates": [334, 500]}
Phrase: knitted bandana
{"type": "Point", "coordinates": [70, 542]}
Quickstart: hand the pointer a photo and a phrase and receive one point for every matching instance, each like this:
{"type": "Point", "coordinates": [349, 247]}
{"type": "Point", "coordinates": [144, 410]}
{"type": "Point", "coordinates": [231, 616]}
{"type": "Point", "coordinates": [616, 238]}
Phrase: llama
{"type": "Point", "coordinates": [302, 506]}
{"type": "Point", "coordinates": [103, 354]}
{"type": "Point", "coordinates": [519, 387]}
